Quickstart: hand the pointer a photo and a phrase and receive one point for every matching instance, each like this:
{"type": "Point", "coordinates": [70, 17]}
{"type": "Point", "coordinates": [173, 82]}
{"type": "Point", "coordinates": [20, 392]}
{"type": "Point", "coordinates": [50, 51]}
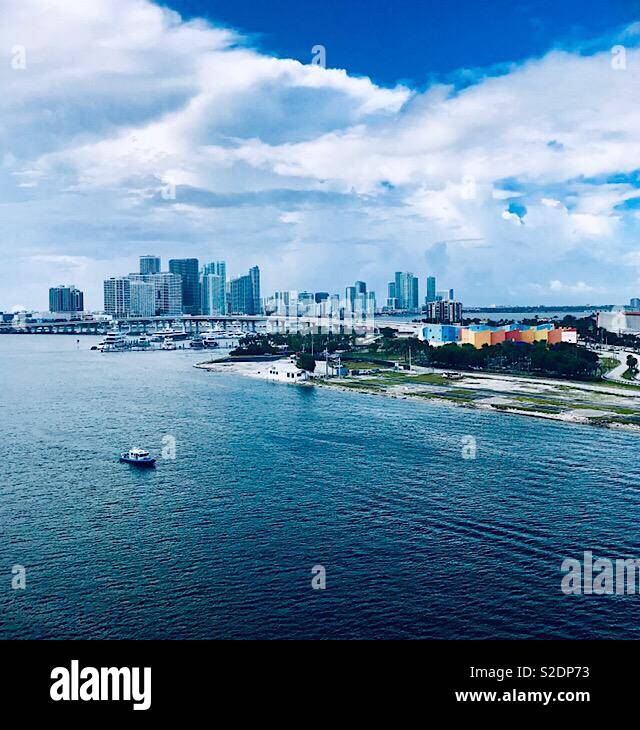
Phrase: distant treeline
{"type": "Point", "coordinates": [272, 344]}
{"type": "Point", "coordinates": [527, 309]}
{"type": "Point", "coordinates": [560, 360]}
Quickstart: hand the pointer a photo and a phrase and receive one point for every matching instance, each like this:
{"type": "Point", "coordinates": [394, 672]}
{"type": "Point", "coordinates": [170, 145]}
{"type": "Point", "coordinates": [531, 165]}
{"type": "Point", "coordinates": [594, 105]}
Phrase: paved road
{"type": "Point", "coordinates": [621, 356]}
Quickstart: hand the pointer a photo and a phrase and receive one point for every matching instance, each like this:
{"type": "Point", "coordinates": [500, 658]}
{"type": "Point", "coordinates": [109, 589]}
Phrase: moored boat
{"type": "Point", "coordinates": [113, 342]}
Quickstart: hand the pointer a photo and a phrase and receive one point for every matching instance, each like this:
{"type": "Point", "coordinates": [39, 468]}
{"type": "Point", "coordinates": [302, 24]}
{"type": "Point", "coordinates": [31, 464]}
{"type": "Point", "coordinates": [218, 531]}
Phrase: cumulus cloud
{"type": "Point", "coordinates": [580, 287]}
{"type": "Point", "coordinates": [304, 170]}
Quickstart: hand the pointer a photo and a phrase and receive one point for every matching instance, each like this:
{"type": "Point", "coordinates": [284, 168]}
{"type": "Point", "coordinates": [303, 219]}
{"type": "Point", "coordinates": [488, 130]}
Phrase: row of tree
{"type": "Point", "coordinates": [271, 344]}
{"type": "Point", "coordinates": [562, 359]}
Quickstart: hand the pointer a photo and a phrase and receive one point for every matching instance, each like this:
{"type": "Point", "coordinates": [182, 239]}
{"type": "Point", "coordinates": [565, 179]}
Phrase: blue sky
{"type": "Point", "coordinates": [415, 40]}
{"type": "Point", "coordinates": [493, 144]}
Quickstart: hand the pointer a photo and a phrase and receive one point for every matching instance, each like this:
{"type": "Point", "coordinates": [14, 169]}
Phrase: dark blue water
{"type": "Point", "coordinates": [270, 480]}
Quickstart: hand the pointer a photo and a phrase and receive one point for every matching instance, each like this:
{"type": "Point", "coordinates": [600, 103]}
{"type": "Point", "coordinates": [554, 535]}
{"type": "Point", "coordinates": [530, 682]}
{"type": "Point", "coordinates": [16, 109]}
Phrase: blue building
{"type": "Point", "coordinates": [439, 333]}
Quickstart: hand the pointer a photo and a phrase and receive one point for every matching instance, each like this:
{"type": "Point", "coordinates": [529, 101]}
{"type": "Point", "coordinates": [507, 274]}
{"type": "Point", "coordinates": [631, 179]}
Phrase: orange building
{"type": "Point", "coordinates": [481, 338]}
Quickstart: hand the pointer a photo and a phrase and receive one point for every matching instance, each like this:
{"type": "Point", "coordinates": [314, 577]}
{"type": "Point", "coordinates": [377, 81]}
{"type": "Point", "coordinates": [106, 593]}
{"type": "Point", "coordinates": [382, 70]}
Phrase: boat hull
{"type": "Point", "coordinates": [138, 462]}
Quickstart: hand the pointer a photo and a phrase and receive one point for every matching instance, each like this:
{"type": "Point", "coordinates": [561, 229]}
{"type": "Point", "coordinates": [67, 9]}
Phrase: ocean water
{"type": "Point", "coordinates": [270, 480]}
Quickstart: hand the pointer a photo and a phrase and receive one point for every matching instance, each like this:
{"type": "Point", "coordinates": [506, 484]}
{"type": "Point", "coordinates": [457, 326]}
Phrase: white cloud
{"type": "Point", "coordinates": [512, 218]}
{"type": "Point", "coordinates": [578, 288]}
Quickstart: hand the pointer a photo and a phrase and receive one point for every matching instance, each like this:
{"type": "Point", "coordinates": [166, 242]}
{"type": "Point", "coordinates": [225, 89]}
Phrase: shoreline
{"type": "Point", "coordinates": [562, 401]}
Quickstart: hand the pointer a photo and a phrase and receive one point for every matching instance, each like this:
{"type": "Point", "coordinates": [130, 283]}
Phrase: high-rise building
{"type": "Point", "coordinates": [306, 304]}
{"type": "Point", "coordinates": [241, 295]}
{"type": "Point", "coordinates": [213, 288]}
{"type": "Point", "coordinates": [445, 295]}
{"type": "Point", "coordinates": [634, 304]}
{"type": "Point", "coordinates": [65, 299]}
{"type": "Point", "coordinates": [350, 298]}
{"type": "Point", "coordinates": [285, 303]}
{"type": "Point", "coordinates": [142, 299]}
{"type": "Point", "coordinates": [371, 303]}
{"type": "Point", "coordinates": [244, 293]}
{"type": "Point", "coordinates": [189, 270]}
{"type": "Point", "coordinates": [406, 290]}
{"type": "Point", "coordinates": [168, 294]}
{"type": "Point", "coordinates": [361, 287]}
{"type": "Point", "coordinates": [431, 289]}
{"type": "Point", "coordinates": [254, 275]}
{"type": "Point", "coordinates": [392, 302]}
{"type": "Point", "coordinates": [149, 264]}
{"type": "Point", "coordinates": [444, 311]}
{"type": "Point", "coordinates": [117, 296]}
{"type": "Point", "coordinates": [333, 309]}
{"type": "Point", "coordinates": [168, 289]}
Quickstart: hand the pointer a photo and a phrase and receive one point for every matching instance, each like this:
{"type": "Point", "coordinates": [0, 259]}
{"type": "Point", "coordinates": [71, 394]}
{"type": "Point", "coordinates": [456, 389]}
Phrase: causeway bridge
{"type": "Point", "coordinates": [194, 324]}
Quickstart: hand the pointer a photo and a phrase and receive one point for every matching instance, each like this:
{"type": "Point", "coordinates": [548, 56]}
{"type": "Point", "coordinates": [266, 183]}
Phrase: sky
{"type": "Point", "coordinates": [495, 145]}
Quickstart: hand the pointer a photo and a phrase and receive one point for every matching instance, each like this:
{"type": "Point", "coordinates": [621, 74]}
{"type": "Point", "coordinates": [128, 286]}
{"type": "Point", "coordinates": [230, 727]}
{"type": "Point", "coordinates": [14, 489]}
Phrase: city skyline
{"type": "Point", "coordinates": [149, 264]}
{"type": "Point", "coordinates": [479, 171]}
{"type": "Point", "coordinates": [205, 289]}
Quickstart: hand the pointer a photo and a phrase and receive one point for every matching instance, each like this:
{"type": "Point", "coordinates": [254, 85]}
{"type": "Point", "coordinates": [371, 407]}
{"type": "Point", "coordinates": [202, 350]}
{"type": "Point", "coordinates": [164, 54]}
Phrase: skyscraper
{"type": "Point", "coordinates": [254, 275]}
{"type": "Point", "coordinates": [635, 304]}
{"type": "Point", "coordinates": [149, 264]}
{"type": "Point", "coordinates": [168, 293]}
{"type": "Point", "coordinates": [245, 293]}
{"type": "Point", "coordinates": [142, 299]}
{"type": "Point", "coordinates": [406, 290]}
{"type": "Point", "coordinates": [350, 298]}
{"type": "Point", "coordinates": [392, 302]}
{"type": "Point", "coordinates": [241, 291]}
{"type": "Point", "coordinates": [117, 296]}
{"type": "Point", "coordinates": [65, 299]}
{"type": "Point", "coordinates": [168, 289]}
{"type": "Point", "coordinates": [286, 303]}
{"type": "Point", "coordinates": [431, 289]}
{"type": "Point", "coordinates": [213, 288]}
{"type": "Point", "coordinates": [371, 303]}
{"type": "Point", "coordinates": [189, 270]}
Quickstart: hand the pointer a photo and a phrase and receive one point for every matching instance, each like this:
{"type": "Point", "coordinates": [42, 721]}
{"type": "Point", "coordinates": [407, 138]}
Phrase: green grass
{"type": "Point", "coordinates": [569, 406]}
{"type": "Point", "coordinates": [361, 385]}
{"type": "Point", "coordinates": [433, 379]}
{"type": "Point", "coordinates": [394, 377]}
{"type": "Point", "coordinates": [363, 365]}
{"type": "Point", "coordinates": [609, 363]}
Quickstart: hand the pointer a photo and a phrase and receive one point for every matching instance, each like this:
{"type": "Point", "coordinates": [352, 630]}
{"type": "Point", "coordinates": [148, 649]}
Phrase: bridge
{"type": "Point", "coordinates": [194, 324]}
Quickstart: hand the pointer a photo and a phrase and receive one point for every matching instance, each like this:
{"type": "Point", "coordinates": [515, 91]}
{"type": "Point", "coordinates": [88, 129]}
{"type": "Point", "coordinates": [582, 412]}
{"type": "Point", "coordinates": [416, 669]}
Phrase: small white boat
{"type": "Point", "coordinates": [168, 344]}
{"type": "Point", "coordinates": [140, 457]}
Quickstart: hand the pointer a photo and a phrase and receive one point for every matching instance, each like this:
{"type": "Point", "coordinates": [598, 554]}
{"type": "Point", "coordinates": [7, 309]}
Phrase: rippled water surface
{"type": "Point", "coordinates": [270, 480]}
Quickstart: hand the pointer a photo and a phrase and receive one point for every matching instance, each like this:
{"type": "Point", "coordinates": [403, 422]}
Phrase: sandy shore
{"type": "Point", "coordinates": [555, 400]}
{"type": "Point", "coordinates": [258, 370]}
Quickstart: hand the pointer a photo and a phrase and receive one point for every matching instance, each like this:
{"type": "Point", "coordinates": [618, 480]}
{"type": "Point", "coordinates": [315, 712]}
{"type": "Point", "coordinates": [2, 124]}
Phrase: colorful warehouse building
{"type": "Point", "coordinates": [480, 335]}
